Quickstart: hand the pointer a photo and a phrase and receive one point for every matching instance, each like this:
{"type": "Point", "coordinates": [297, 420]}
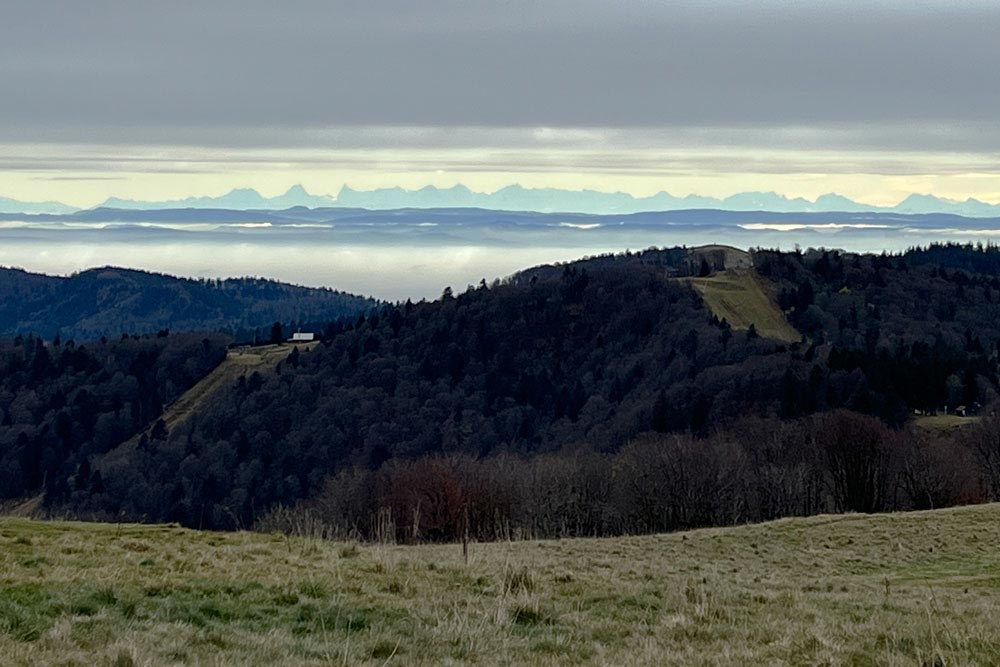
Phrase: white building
{"type": "Point", "coordinates": [301, 337]}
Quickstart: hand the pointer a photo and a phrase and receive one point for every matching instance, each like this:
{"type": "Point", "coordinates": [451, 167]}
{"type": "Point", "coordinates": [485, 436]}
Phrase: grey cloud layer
{"type": "Point", "coordinates": [613, 160]}
{"type": "Point", "coordinates": [263, 73]}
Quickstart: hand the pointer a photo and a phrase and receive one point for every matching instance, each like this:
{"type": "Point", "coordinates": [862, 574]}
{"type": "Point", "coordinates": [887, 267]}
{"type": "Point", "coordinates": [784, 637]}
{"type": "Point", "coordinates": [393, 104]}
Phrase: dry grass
{"type": "Point", "coordinates": [739, 297]}
{"type": "Point", "coordinates": [237, 363]}
{"type": "Point", "coordinates": [942, 424]}
{"type": "Point", "coordinates": [27, 508]}
{"type": "Point", "coordinates": [918, 589]}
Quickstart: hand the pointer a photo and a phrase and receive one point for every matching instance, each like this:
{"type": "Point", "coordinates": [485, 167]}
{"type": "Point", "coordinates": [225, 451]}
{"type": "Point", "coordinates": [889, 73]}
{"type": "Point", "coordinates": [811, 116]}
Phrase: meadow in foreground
{"type": "Point", "coordinates": [917, 589]}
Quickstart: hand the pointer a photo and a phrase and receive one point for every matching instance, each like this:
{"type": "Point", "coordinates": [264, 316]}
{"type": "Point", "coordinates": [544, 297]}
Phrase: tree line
{"type": "Point", "coordinates": [758, 469]}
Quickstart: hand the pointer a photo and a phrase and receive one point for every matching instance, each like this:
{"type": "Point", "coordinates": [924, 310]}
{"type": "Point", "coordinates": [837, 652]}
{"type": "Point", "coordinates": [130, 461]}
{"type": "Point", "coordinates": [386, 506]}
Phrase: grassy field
{"type": "Point", "coordinates": [739, 297]}
{"type": "Point", "coordinates": [918, 589]}
{"type": "Point", "coordinates": [942, 424]}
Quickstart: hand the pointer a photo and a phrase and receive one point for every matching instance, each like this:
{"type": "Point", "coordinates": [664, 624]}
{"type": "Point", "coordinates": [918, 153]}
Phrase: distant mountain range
{"type": "Point", "coordinates": [239, 199]}
{"type": "Point", "coordinates": [550, 200]}
{"type": "Point", "coordinates": [34, 208]}
{"type": "Point", "coordinates": [518, 198]}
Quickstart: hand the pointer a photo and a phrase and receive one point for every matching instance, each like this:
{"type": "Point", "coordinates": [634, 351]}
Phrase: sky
{"type": "Point", "coordinates": [873, 100]}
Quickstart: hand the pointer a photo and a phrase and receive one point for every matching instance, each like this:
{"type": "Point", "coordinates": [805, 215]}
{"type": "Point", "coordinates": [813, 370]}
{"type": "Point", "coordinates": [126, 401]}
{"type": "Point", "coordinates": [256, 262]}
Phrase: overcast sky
{"type": "Point", "coordinates": [872, 99]}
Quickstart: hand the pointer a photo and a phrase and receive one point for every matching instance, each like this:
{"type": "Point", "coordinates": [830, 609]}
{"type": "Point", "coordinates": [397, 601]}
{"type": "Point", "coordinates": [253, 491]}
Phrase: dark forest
{"type": "Point", "coordinates": [591, 398]}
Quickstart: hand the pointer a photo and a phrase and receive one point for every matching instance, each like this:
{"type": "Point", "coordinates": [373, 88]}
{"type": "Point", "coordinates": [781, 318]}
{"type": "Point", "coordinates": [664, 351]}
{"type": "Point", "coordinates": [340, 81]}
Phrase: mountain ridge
{"type": "Point", "coordinates": [8, 205]}
{"type": "Point", "coordinates": [238, 198]}
{"type": "Point", "coordinates": [110, 300]}
{"type": "Point", "coordinates": [520, 198]}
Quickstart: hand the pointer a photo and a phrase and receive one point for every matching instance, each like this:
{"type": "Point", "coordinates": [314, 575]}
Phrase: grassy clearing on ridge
{"type": "Point", "coordinates": [942, 424]}
{"type": "Point", "coordinates": [738, 296]}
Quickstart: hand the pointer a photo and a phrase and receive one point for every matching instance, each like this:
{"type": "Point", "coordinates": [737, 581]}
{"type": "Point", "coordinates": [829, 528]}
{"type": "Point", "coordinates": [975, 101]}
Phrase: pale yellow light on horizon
{"type": "Point", "coordinates": [97, 173]}
{"type": "Point", "coordinates": [864, 188]}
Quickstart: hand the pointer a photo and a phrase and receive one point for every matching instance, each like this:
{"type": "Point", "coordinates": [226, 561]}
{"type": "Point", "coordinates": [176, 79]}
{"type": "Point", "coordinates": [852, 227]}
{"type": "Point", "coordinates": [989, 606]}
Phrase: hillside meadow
{"type": "Point", "coordinates": [915, 589]}
{"type": "Point", "coordinates": [739, 298]}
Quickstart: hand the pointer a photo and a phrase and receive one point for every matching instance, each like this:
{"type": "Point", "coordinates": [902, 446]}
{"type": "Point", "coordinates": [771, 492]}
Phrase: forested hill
{"type": "Point", "coordinates": [578, 361]}
{"type": "Point", "coordinates": [111, 301]}
{"type": "Point", "coordinates": [595, 397]}
{"type": "Point", "coordinates": [63, 405]}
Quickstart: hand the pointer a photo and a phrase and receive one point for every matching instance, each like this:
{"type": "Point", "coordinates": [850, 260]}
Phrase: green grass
{"type": "Point", "coordinates": [917, 589]}
{"type": "Point", "coordinates": [739, 297]}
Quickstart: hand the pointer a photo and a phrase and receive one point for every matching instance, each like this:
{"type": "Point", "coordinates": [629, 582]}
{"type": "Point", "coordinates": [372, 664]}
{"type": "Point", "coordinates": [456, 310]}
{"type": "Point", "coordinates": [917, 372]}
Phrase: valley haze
{"type": "Point", "coordinates": [371, 252]}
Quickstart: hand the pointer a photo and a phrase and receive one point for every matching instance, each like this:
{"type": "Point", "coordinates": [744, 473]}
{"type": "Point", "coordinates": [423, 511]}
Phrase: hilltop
{"type": "Point", "coordinates": [109, 301]}
{"type": "Point", "coordinates": [910, 590]}
{"type": "Point", "coordinates": [735, 293]}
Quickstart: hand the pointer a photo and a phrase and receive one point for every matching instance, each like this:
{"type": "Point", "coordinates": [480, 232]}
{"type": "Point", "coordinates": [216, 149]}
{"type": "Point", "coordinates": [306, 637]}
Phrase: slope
{"type": "Point", "coordinates": [738, 296]}
{"type": "Point", "coordinates": [109, 301]}
{"type": "Point", "coordinates": [906, 589]}
{"type": "Point", "coordinates": [238, 362]}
